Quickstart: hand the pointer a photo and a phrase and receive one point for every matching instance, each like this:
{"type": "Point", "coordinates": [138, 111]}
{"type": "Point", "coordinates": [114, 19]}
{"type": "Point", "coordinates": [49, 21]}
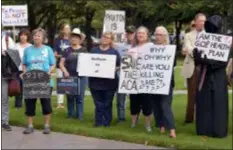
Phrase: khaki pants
{"type": "Point", "coordinates": [192, 88]}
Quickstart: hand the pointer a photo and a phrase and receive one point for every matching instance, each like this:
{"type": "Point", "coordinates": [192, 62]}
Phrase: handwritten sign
{"type": "Point", "coordinates": [36, 84]}
{"type": "Point", "coordinates": [128, 76]}
{"type": "Point", "coordinates": [156, 66]}
{"type": "Point", "coordinates": [97, 65]}
{"type": "Point", "coordinates": [147, 70]}
{"type": "Point", "coordinates": [114, 21]}
{"type": "Point", "coordinates": [215, 46]}
{"type": "Point", "coordinates": [15, 15]}
{"type": "Point", "coordinates": [69, 86]}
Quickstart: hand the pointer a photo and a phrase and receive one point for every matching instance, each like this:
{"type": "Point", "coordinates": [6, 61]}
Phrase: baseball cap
{"type": "Point", "coordinates": [131, 29]}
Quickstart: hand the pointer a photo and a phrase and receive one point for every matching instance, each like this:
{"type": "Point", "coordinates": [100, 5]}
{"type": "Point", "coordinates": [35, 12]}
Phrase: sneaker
{"type": "Point", "coordinates": [46, 130]}
{"type": "Point", "coordinates": [28, 130]}
{"type": "Point", "coordinates": [133, 125]}
{"type": "Point", "coordinates": [6, 127]}
{"type": "Point", "coordinates": [148, 129]}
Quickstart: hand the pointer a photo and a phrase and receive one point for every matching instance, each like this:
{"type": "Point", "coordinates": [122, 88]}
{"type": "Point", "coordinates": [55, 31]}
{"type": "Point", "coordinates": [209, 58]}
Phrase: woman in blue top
{"type": "Point", "coordinates": [103, 89]}
{"type": "Point", "coordinates": [38, 57]}
{"type": "Point", "coordinates": [68, 65]}
{"type": "Point", "coordinates": [61, 43]}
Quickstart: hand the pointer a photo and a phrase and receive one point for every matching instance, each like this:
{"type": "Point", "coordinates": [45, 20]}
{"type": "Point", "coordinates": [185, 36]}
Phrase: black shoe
{"type": "Point", "coordinates": [97, 125]}
{"type": "Point", "coordinates": [107, 125]}
{"type": "Point", "coordinates": [6, 127]}
{"type": "Point", "coordinates": [187, 122]}
{"type": "Point", "coordinates": [121, 121]}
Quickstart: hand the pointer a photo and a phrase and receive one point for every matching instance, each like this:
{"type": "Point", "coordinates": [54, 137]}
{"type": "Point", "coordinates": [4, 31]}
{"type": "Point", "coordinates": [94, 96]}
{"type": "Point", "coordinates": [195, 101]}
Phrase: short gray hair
{"type": "Point", "coordinates": [40, 30]}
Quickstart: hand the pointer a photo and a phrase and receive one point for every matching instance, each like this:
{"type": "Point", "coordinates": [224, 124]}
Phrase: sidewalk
{"type": "Point", "coordinates": [16, 140]}
{"type": "Point", "coordinates": [176, 92]}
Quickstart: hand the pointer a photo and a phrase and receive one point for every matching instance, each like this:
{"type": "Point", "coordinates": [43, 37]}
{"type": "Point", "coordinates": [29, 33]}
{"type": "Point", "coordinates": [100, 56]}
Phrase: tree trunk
{"type": "Point", "coordinates": [178, 26]}
{"type": "Point", "coordinates": [51, 24]}
{"type": "Point", "coordinates": [89, 18]}
{"type": "Point", "coordinates": [31, 16]}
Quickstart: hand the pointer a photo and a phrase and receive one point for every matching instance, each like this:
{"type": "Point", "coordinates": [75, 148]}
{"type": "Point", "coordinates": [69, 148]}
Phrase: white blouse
{"type": "Point", "coordinates": [21, 53]}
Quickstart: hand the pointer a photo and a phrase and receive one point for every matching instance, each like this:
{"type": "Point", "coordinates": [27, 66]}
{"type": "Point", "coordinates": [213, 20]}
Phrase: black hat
{"type": "Point", "coordinates": [131, 29]}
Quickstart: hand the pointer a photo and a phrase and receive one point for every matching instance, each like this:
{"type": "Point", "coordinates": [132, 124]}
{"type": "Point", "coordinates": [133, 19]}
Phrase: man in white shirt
{"type": "Point", "coordinates": [7, 43]}
{"type": "Point", "coordinates": [189, 70]}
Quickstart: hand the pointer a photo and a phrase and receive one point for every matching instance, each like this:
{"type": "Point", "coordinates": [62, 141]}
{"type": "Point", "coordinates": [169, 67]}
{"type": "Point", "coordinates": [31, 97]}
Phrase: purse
{"type": "Point", "coordinates": [14, 88]}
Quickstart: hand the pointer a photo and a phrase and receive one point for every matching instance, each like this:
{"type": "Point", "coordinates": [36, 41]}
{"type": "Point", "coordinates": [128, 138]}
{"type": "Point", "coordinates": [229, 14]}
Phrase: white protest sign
{"type": "Point", "coordinates": [148, 69]}
{"type": "Point", "coordinates": [215, 46]}
{"type": "Point", "coordinates": [156, 66]}
{"type": "Point", "coordinates": [15, 15]}
{"type": "Point", "coordinates": [128, 76]}
{"type": "Point", "coordinates": [114, 21]}
{"type": "Point", "coordinates": [96, 65]}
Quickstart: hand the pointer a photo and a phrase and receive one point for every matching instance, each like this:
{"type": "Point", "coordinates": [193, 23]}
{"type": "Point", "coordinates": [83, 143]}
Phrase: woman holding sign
{"type": "Point", "coordinates": [68, 65]}
{"type": "Point", "coordinates": [103, 89]}
{"type": "Point", "coordinates": [61, 43]}
{"type": "Point", "coordinates": [38, 57]}
{"type": "Point", "coordinates": [212, 93]}
{"type": "Point", "coordinates": [140, 101]}
{"type": "Point", "coordinates": [163, 114]}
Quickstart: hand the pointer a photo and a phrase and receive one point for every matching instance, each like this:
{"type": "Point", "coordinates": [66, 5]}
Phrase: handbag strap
{"type": "Point", "coordinates": [7, 41]}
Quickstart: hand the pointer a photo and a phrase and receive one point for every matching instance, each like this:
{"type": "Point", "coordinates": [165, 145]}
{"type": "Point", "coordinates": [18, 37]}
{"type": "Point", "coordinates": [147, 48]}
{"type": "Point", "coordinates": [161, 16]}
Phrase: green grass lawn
{"type": "Point", "coordinates": [186, 136]}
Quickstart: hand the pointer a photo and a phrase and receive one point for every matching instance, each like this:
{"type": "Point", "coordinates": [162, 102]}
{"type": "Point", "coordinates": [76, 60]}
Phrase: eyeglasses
{"type": "Point", "coordinates": [160, 34]}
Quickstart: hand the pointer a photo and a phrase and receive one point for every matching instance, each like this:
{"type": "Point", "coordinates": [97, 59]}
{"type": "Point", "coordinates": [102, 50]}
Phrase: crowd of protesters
{"type": "Point", "coordinates": [207, 79]}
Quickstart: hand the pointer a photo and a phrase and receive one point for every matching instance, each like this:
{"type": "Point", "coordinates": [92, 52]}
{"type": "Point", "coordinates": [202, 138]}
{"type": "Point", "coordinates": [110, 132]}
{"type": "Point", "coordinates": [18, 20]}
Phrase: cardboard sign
{"type": "Point", "coordinates": [36, 84]}
{"type": "Point", "coordinates": [97, 65]}
{"type": "Point", "coordinates": [215, 46]}
{"type": "Point", "coordinates": [15, 15]}
{"type": "Point", "coordinates": [68, 86]}
{"type": "Point", "coordinates": [114, 21]}
{"type": "Point", "coordinates": [148, 69]}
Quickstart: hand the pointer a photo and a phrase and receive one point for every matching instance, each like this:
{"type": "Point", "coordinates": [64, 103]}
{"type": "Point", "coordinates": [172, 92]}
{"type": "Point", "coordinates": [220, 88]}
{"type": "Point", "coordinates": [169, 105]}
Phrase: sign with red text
{"type": "Point", "coordinates": [14, 15]}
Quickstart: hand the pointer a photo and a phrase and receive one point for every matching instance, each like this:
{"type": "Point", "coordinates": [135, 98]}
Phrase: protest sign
{"type": "Point", "coordinates": [148, 69]}
{"type": "Point", "coordinates": [14, 15]}
{"type": "Point", "coordinates": [215, 46]}
{"type": "Point", "coordinates": [69, 86]}
{"type": "Point", "coordinates": [36, 84]}
{"type": "Point", "coordinates": [128, 76]}
{"type": "Point", "coordinates": [97, 65]}
{"type": "Point", "coordinates": [114, 21]}
{"type": "Point", "coordinates": [156, 66]}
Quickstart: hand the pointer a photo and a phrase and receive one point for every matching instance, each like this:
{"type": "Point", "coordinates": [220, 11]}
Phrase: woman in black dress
{"type": "Point", "coordinates": [212, 94]}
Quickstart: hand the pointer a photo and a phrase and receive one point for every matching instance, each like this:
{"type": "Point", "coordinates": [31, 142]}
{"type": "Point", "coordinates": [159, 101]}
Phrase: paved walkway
{"type": "Point", "coordinates": [37, 140]}
{"type": "Point", "coordinates": [176, 92]}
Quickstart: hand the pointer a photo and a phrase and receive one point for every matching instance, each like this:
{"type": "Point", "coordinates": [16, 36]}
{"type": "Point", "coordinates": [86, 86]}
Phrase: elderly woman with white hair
{"type": "Point", "coordinates": [162, 104]}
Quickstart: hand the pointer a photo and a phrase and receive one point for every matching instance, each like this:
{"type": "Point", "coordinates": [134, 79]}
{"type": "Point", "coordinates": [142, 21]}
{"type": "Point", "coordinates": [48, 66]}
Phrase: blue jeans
{"type": "Point", "coordinates": [163, 114]}
{"type": "Point", "coordinates": [121, 106]}
{"type": "Point", "coordinates": [75, 102]}
{"type": "Point", "coordinates": [103, 106]}
{"type": "Point", "coordinates": [19, 98]}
